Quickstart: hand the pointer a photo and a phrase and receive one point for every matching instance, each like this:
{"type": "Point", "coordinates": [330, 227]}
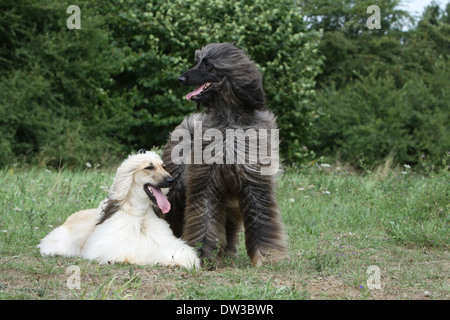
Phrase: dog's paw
{"type": "Point", "coordinates": [187, 258]}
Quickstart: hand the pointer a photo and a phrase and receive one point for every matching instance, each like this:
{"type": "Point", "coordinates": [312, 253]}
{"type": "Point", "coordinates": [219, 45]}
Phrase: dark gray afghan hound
{"type": "Point", "coordinates": [211, 199]}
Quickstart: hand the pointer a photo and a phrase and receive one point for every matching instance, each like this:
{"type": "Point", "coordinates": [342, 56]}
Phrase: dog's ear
{"type": "Point", "coordinates": [121, 184]}
{"type": "Point", "coordinates": [109, 207]}
{"type": "Point", "coordinates": [251, 95]}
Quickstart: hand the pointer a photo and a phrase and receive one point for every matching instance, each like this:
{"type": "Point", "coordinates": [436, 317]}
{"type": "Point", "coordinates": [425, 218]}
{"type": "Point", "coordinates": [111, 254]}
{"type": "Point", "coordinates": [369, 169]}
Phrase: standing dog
{"type": "Point", "coordinates": [211, 200]}
{"type": "Point", "coordinates": [125, 228]}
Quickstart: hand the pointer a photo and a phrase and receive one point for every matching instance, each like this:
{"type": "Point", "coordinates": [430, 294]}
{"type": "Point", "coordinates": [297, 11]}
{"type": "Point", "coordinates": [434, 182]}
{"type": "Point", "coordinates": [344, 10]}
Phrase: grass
{"type": "Point", "coordinates": [339, 223]}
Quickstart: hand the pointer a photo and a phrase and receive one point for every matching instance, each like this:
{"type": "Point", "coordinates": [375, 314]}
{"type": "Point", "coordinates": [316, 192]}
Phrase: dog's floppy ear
{"type": "Point", "coordinates": [119, 189]}
{"type": "Point", "coordinates": [252, 95]}
{"type": "Point", "coordinates": [109, 207]}
{"type": "Point", "coordinates": [122, 183]}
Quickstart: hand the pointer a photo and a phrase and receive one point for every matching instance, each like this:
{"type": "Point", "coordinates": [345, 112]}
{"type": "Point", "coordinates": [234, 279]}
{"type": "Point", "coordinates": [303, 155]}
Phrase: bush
{"type": "Point", "coordinates": [383, 93]}
{"type": "Point", "coordinates": [371, 120]}
{"type": "Point", "coordinates": [51, 79]}
{"type": "Point", "coordinates": [158, 40]}
{"type": "Point", "coordinates": [70, 96]}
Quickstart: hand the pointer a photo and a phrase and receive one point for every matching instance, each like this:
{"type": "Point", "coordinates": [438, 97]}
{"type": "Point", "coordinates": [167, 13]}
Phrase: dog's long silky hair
{"type": "Point", "coordinates": [120, 187]}
{"type": "Point", "coordinates": [210, 202]}
{"type": "Point", "coordinates": [241, 84]}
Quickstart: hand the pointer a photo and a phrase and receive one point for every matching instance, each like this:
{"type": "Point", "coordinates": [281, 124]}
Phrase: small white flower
{"type": "Point", "coordinates": [301, 189]}
{"type": "Point", "coordinates": [407, 166]}
{"type": "Point", "coordinates": [325, 165]}
{"type": "Point", "coordinates": [327, 192]}
{"type": "Point", "coordinates": [292, 200]}
{"type": "Point", "coordinates": [404, 172]}
{"type": "Point", "coordinates": [17, 209]}
{"type": "Point", "coordinates": [88, 164]}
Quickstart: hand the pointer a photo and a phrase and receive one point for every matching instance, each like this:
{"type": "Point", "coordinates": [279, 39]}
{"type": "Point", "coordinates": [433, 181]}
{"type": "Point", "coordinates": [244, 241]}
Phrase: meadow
{"type": "Point", "coordinates": [338, 222]}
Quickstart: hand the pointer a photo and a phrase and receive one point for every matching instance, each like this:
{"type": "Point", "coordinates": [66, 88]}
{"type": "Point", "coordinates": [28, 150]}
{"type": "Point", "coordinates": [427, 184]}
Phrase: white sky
{"type": "Point", "coordinates": [415, 7]}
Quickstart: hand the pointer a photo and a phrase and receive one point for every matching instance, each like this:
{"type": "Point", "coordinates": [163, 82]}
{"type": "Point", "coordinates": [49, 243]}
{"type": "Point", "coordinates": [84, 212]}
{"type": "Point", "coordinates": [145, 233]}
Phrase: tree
{"type": "Point", "coordinates": [383, 93]}
{"type": "Point", "coordinates": [51, 80]}
{"type": "Point", "coordinates": [71, 96]}
{"type": "Point", "coordinates": [158, 40]}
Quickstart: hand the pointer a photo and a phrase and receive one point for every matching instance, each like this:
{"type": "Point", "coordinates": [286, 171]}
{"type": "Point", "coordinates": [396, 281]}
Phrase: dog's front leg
{"type": "Point", "coordinates": [204, 222]}
{"type": "Point", "coordinates": [176, 194]}
{"type": "Point", "coordinates": [265, 238]}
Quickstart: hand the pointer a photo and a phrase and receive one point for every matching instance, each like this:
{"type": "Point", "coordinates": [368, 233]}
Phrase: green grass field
{"type": "Point", "coordinates": [338, 223]}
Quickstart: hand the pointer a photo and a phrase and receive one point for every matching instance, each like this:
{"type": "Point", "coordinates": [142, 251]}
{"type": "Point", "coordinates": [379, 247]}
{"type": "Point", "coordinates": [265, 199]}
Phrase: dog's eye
{"type": "Point", "coordinates": [207, 64]}
{"type": "Point", "coordinates": [150, 168]}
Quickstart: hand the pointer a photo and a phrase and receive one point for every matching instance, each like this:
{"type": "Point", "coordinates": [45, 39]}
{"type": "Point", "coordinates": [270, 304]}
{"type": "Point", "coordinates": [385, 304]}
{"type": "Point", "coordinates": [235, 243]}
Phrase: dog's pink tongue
{"type": "Point", "coordinates": [195, 92]}
{"type": "Point", "coordinates": [163, 203]}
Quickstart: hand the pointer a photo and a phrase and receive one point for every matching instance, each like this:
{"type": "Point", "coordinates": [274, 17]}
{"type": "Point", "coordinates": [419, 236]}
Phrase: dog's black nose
{"type": "Point", "coordinates": [181, 80]}
{"type": "Point", "coordinates": [169, 180]}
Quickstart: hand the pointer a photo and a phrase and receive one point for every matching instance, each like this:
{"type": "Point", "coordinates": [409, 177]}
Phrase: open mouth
{"type": "Point", "coordinates": [199, 91]}
{"type": "Point", "coordinates": [157, 197]}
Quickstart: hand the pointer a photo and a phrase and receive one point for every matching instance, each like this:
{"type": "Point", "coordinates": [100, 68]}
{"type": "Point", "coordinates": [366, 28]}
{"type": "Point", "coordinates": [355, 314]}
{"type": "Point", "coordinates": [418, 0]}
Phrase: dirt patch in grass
{"type": "Point", "coordinates": [330, 288]}
{"type": "Point", "coordinates": [405, 274]}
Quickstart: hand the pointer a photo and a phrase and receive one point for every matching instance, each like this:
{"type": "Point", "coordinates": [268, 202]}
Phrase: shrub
{"type": "Point", "coordinates": [51, 79]}
{"type": "Point", "coordinates": [158, 40]}
{"type": "Point", "coordinates": [371, 119]}
{"type": "Point", "coordinates": [68, 96]}
{"type": "Point", "coordinates": [383, 92]}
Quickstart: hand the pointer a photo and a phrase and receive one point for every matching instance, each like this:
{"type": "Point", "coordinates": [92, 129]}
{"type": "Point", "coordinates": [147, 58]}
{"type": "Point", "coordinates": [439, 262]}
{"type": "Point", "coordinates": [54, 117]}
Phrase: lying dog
{"type": "Point", "coordinates": [125, 228]}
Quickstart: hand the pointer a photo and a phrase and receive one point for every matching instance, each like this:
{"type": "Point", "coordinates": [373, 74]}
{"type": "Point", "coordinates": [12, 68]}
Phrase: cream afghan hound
{"type": "Point", "coordinates": [124, 228]}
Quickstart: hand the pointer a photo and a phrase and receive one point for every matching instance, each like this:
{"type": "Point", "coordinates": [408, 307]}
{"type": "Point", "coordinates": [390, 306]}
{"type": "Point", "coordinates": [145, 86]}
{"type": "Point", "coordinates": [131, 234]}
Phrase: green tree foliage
{"type": "Point", "coordinates": [111, 87]}
{"type": "Point", "coordinates": [158, 40]}
{"type": "Point", "coordinates": [94, 94]}
{"type": "Point", "coordinates": [372, 119]}
{"type": "Point", "coordinates": [349, 46]}
{"type": "Point", "coordinates": [50, 85]}
{"type": "Point", "coordinates": [383, 93]}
